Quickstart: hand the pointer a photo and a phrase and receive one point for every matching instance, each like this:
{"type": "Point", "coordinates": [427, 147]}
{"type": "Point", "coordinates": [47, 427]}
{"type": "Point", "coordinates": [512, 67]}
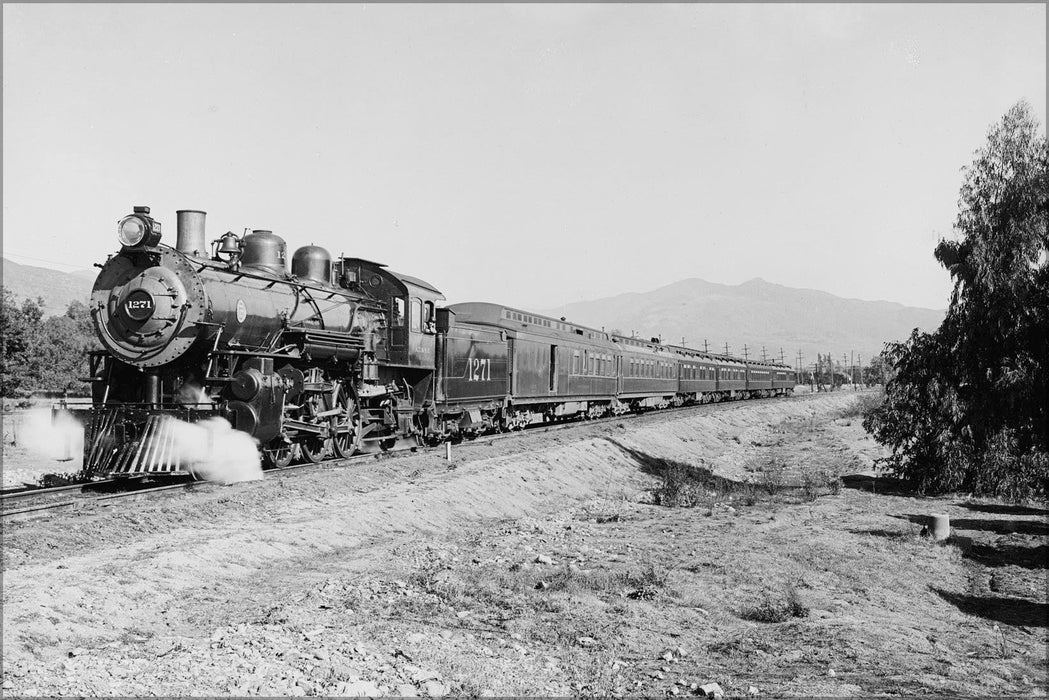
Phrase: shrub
{"type": "Point", "coordinates": [967, 407]}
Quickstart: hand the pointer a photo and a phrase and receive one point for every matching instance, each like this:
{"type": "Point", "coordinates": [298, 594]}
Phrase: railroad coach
{"type": "Point", "coordinates": [759, 378]}
{"type": "Point", "coordinates": [542, 368]}
{"type": "Point", "coordinates": [649, 373]}
{"type": "Point", "coordinates": [783, 379]}
{"type": "Point", "coordinates": [766, 379]}
{"type": "Point", "coordinates": [698, 378]}
{"type": "Point", "coordinates": [732, 377]}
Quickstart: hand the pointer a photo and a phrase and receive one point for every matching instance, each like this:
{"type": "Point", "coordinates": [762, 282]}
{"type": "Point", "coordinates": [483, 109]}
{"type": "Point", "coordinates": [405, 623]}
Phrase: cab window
{"type": "Point", "coordinates": [428, 317]}
{"type": "Point", "coordinates": [416, 321]}
{"type": "Point", "coordinates": [397, 312]}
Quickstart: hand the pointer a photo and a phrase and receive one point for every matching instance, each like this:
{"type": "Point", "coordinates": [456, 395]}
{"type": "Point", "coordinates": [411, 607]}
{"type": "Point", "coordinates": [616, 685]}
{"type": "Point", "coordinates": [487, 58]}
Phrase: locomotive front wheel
{"type": "Point", "coordinates": [278, 456]}
{"type": "Point", "coordinates": [314, 449]}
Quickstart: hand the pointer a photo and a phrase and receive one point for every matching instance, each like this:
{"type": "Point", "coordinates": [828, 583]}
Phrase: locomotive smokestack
{"type": "Point", "coordinates": [191, 232]}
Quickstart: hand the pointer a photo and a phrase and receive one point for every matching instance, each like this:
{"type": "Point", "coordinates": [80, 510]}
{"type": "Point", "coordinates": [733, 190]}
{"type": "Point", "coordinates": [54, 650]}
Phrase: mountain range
{"type": "Point", "coordinates": [756, 314]}
{"type": "Point", "coordinates": [57, 289]}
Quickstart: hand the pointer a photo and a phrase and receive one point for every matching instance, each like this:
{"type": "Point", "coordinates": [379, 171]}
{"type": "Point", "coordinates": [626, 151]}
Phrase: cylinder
{"type": "Point", "coordinates": [247, 384]}
{"type": "Point", "coordinates": [190, 225]}
{"type": "Point", "coordinates": [939, 526]}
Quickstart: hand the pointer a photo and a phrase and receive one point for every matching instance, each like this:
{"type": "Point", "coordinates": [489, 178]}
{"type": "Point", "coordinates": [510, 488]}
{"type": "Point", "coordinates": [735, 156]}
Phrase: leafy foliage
{"type": "Point", "coordinates": [968, 407]}
{"type": "Point", "coordinates": [877, 371]}
{"type": "Point", "coordinates": [43, 354]}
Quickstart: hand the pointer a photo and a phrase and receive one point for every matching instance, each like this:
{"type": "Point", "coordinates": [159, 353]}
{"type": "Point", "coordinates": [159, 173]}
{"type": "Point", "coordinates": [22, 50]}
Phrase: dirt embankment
{"type": "Point", "coordinates": [541, 566]}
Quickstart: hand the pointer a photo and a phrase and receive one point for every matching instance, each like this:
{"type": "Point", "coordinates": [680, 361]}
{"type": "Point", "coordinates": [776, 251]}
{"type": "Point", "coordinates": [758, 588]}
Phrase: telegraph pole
{"type": "Point", "coordinates": [726, 348]}
{"type": "Point", "coordinates": [745, 356]}
{"type": "Point", "coordinates": [763, 358]}
{"type": "Point", "coordinates": [704, 345]}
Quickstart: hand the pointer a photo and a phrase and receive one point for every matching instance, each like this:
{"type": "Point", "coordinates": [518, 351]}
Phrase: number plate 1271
{"type": "Point", "coordinates": [478, 370]}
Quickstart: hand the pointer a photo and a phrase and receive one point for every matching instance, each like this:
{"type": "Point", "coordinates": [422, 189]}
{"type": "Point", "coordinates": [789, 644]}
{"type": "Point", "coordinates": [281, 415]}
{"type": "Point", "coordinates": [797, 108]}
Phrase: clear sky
{"type": "Point", "coordinates": [528, 154]}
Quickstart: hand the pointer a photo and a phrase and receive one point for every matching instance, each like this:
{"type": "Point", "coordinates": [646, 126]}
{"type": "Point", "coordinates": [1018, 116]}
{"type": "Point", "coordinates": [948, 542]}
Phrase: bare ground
{"type": "Point", "coordinates": [543, 567]}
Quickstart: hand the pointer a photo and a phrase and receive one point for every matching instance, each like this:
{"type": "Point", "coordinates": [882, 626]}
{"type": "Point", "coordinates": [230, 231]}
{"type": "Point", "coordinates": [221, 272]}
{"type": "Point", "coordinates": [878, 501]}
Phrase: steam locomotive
{"type": "Point", "coordinates": [337, 355]}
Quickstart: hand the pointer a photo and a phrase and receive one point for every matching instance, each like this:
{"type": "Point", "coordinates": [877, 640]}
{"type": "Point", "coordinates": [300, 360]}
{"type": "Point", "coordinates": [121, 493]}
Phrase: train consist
{"type": "Point", "coordinates": [335, 354]}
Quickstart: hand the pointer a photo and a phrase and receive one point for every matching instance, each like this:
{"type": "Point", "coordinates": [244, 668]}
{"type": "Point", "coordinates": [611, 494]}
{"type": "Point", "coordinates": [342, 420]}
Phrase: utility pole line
{"type": "Point", "coordinates": [745, 355]}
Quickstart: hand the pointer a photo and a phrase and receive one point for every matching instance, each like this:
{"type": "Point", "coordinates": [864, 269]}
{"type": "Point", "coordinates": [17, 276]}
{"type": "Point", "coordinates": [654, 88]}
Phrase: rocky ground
{"type": "Point", "coordinates": [748, 546]}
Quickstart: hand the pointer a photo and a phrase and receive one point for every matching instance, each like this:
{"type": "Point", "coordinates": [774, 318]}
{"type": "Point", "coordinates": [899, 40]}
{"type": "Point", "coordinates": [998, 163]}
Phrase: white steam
{"type": "Point", "coordinates": [214, 450]}
{"type": "Point", "coordinates": [61, 439]}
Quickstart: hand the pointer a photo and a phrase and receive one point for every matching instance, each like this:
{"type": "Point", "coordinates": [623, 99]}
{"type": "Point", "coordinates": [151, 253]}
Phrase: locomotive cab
{"type": "Point", "coordinates": [411, 306]}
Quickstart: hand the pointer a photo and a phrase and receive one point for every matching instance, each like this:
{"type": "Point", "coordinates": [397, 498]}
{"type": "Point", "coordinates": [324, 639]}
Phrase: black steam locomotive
{"type": "Point", "coordinates": [340, 354]}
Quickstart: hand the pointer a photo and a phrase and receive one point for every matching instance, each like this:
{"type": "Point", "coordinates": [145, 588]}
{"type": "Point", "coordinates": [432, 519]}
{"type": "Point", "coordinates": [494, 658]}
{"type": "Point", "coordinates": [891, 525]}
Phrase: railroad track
{"type": "Point", "coordinates": [38, 502]}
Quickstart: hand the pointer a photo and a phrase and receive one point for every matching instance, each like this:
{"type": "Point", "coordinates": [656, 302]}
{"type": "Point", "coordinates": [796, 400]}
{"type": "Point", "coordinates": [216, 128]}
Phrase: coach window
{"type": "Point", "coordinates": [397, 312]}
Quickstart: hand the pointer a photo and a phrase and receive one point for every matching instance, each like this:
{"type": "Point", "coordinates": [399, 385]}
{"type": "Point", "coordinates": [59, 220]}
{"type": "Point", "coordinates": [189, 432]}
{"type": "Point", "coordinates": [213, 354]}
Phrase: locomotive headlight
{"type": "Point", "coordinates": [138, 229]}
{"type": "Point", "coordinates": [131, 231]}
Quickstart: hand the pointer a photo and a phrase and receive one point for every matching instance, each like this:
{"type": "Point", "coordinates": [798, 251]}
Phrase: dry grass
{"type": "Point", "coordinates": [683, 486]}
{"type": "Point", "coordinates": [864, 403]}
{"type": "Point", "coordinates": [777, 608]}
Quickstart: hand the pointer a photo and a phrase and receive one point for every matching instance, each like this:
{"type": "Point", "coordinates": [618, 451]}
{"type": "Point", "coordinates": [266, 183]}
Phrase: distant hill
{"type": "Point", "coordinates": [56, 288]}
{"type": "Point", "coordinates": [756, 313]}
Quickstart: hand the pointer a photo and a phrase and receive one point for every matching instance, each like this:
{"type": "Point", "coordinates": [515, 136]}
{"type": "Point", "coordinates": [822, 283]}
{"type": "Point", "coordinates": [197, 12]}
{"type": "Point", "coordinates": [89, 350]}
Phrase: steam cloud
{"type": "Point", "coordinates": [60, 439]}
{"type": "Point", "coordinates": [214, 450]}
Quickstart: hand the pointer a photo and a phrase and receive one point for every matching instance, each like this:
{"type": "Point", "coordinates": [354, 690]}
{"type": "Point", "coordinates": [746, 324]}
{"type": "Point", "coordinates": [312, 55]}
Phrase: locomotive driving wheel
{"type": "Point", "coordinates": [346, 426]}
{"type": "Point", "coordinates": [314, 448]}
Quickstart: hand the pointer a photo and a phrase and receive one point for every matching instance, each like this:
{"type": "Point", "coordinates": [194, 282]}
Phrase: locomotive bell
{"type": "Point", "coordinates": [229, 245]}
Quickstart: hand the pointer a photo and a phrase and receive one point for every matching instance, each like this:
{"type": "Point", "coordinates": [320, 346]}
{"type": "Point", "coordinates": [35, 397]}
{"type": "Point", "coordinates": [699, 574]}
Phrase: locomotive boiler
{"type": "Point", "coordinates": [314, 360]}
